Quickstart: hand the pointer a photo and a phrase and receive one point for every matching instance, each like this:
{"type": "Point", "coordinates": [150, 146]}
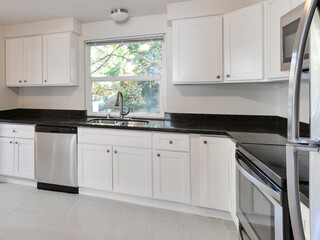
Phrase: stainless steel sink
{"type": "Point", "coordinates": [119, 122]}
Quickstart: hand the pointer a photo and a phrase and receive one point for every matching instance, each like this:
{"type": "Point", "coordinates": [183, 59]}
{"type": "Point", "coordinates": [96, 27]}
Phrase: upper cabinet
{"type": "Point", "coordinates": [197, 50]}
{"type": "Point", "coordinates": [244, 44]}
{"type": "Point", "coordinates": [275, 10]}
{"type": "Point", "coordinates": [42, 60]}
{"type": "Point", "coordinates": [60, 59]}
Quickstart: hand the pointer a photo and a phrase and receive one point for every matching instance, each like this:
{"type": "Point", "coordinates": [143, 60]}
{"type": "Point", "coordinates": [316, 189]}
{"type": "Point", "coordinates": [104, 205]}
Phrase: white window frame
{"type": "Point", "coordinates": [162, 82]}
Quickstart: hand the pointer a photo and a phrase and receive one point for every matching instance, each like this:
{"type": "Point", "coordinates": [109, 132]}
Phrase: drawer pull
{"type": "Point", "coordinates": [115, 151]}
{"type": "Point", "coordinates": [17, 143]}
{"type": "Point", "coordinates": [108, 151]}
{"type": "Point", "coordinates": [170, 142]}
{"type": "Point", "coordinates": [14, 131]}
{"type": "Point", "coordinates": [158, 155]}
{"type": "Point", "coordinates": [11, 142]}
{"type": "Point", "coordinates": [205, 142]}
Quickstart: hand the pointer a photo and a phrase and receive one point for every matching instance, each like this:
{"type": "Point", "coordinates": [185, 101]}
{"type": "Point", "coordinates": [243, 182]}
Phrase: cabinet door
{"type": "Point", "coordinates": [244, 44]}
{"type": "Point", "coordinates": [233, 183]}
{"type": "Point", "coordinates": [171, 176]}
{"type": "Point", "coordinates": [275, 10]}
{"type": "Point", "coordinates": [24, 158]}
{"type": "Point", "coordinates": [56, 59]}
{"type": "Point", "coordinates": [197, 50]}
{"type": "Point", "coordinates": [215, 174]}
{"type": "Point", "coordinates": [7, 156]}
{"type": "Point", "coordinates": [32, 60]}
{"type": "Point", "coordinates": [95, 167]}
{"type": "Point", "coordinates": [132, 172]}
{"type": "Point", "coordinates": [14, 61]}
{"type": "Point", "coordinates": [296, 3]}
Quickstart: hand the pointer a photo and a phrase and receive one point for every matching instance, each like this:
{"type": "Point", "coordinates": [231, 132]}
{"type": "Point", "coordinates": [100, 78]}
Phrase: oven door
{"type": "Point", "coordinates": [258, 203]}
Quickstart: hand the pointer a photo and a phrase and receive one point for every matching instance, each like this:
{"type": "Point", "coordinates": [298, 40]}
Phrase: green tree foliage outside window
{"type": "Point", "coordinates": [120, 62]}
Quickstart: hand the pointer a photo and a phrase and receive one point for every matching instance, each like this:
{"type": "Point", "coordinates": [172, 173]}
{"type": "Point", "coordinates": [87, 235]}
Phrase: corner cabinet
{"type": "Point", "coordinates": [244, 44]}
{"type": "Point", "coordinates": [46, 60]}
{"type": "Point", "coordinates": [197, 50]}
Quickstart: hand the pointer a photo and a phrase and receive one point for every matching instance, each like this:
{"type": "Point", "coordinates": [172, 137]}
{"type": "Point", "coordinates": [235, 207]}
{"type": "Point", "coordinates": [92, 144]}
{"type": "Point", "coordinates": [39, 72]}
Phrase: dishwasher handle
{"type": "Point", "coordinates": [56, 129]}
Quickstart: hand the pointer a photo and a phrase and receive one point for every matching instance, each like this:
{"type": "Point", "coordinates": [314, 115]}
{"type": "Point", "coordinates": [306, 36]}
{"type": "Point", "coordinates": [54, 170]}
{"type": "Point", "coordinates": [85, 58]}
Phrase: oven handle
{"type": "Point", "coordinates": [262, 186]}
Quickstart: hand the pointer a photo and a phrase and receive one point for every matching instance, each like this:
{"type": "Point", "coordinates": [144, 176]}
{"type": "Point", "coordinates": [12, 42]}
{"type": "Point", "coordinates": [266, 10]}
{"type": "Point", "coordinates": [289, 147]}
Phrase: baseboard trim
{"type": "Point", "coordinates": [18, 181]}
{"type": "Point", "coordinates": [178, 207]}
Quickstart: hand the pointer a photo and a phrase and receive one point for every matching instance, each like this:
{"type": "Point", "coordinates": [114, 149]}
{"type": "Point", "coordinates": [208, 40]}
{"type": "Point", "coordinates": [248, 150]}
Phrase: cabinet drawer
{"type": "Point", "coordinates": [174, 142]}
{"type": "Point", "coordinates": [126, 138]}
{"type": "Point", "coordinates": [17, 131]}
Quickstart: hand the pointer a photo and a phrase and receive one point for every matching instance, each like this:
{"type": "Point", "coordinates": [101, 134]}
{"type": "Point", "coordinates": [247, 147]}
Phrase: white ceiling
{"type": "Point", "coordinates": [19, 11]}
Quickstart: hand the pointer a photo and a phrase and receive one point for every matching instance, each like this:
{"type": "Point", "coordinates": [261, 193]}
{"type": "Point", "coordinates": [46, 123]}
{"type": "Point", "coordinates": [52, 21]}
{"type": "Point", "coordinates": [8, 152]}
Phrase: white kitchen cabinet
{"type": "Point", "coordinates": [24, 61]}
{"type": "Point", "coordinates": [275, 10]}
{"type": "Point", "coordinates": [171, 176]}
{"type": "Point", "coordinates": [197, 50]}
{"type": "Point", "coordinates": [95, 166]}
{"type": "Point", "coordinates": [132, 171]}
{"type": "Point", "coordinates": [17, 150]}
{"type": "Point", "coordinates": [305, 215]}
{"type": "Point", "coordinates": [60, 59]}
{"type": "Point", "coordinates": [14, 62]}
{"type": "Point", "coordinates": [296, 3]}
{"type": "Point", "coordinates": [215, 173]}
{"type": "Point", "coordinates": [233, 182]}
{"type": "Point", "coordinates": [6, 156]}
{"type": "Point", "coordinates": [24, 158]}
{"type": "Point", "coordinates": [244, 44]}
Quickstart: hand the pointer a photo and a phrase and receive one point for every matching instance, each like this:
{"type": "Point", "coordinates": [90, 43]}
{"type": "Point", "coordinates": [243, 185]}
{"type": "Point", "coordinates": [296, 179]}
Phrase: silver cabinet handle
{"type": "Point", "coordinates": [16, 143]}
{"type": "Point", "coordinates": [20, 81]}
{"type": "Point", "coordinates": [108, 151]}
{"type": "Point", "coordinates": [115, 151]}
{"type": "Point", "coordinates": [11, 142]}
{"type": "Point", "coordinates": [218, 76]}
{"type": "Point", "coordinates": [25, 81]}
{"type": "Point", "coordinates": [205, 142]}
{"type": "Point", "coordinates": [295, 73]}
{"type": "Point", "coordinates": [13, 131]}
{"type": "Point", "coordinates": [170, 142]}
{"type": "Point", "coordinates": [228, 75]}
{"type": "Point", "coordinates": [45, 80]}
{"type": "Point", "coordinates": [158, 155]}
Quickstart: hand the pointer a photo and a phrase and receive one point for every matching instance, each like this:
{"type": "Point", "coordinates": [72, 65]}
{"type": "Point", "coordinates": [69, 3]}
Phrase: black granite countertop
{"type": "Point", "coordinates": [245, 130]}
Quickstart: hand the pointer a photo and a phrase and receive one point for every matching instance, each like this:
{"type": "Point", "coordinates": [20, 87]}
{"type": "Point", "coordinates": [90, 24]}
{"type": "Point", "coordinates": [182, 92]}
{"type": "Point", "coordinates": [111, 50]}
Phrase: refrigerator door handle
{"type": "Point", "coordinates": [295, 74]}
{"type": "Point", "coordinates": [293, 192]}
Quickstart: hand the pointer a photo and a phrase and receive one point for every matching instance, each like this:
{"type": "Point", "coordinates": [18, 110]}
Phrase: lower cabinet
{"type": "Point", "coordinates": [95, 167]}
{"type": "Point", "coordinates": [6, 156]}
{"type": "Point", "coordinates": [132, 171]}
{"type": "Point", "coordinates": [17, 157]}
{"type": "Point", "coordinates": [214, 173]}
{"type": "Point", "coordinates": [24, 158]}
{"type": "Point", "coordinates": [171, 176]}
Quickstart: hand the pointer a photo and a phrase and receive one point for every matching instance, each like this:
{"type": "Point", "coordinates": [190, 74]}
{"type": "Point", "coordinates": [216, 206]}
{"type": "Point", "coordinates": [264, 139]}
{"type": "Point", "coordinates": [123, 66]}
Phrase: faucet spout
{"type": "Point", "coordinates": [117, 104]}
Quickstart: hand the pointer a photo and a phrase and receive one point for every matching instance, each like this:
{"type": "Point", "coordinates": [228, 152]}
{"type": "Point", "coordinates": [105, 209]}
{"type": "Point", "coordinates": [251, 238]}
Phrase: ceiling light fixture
{"type": "Point", "coordinates": [119, 14]}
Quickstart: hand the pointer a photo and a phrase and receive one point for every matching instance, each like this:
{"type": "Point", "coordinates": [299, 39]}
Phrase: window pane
{"type": "Point", "coordinates": [141, 96]}
{"type": "Point", "coordinates": [126, 59]}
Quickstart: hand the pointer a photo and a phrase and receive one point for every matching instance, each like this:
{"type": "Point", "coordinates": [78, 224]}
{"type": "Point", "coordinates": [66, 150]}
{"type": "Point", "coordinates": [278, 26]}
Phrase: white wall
{"type": "Point", "coordinates": [304, 101]}
{"type": "Point", "coordinates": [8, 97]}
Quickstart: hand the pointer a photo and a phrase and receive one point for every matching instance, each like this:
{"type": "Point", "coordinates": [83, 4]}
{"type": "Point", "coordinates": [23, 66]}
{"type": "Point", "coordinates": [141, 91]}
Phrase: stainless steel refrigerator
{"type": "Point", "coordinates": [309, 26]}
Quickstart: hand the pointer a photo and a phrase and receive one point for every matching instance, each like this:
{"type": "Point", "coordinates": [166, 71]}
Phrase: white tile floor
{"type": "Point", "coordinates": [30, 214]}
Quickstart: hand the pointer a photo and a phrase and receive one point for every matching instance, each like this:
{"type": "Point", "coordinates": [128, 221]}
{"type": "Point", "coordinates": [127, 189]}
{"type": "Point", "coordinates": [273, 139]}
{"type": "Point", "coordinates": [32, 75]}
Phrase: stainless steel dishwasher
{"type": "Point", "coordinates": [56, 158]}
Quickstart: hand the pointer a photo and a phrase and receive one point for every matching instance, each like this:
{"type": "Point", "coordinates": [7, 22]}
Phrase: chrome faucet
{"type": "Point", "coordinates": [120, 97]}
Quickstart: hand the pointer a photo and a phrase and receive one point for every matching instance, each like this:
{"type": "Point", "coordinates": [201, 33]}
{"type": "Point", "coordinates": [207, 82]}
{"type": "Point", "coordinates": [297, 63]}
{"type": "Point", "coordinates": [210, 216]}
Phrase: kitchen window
{"type": "Point", "coordinates": [132, 66]}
